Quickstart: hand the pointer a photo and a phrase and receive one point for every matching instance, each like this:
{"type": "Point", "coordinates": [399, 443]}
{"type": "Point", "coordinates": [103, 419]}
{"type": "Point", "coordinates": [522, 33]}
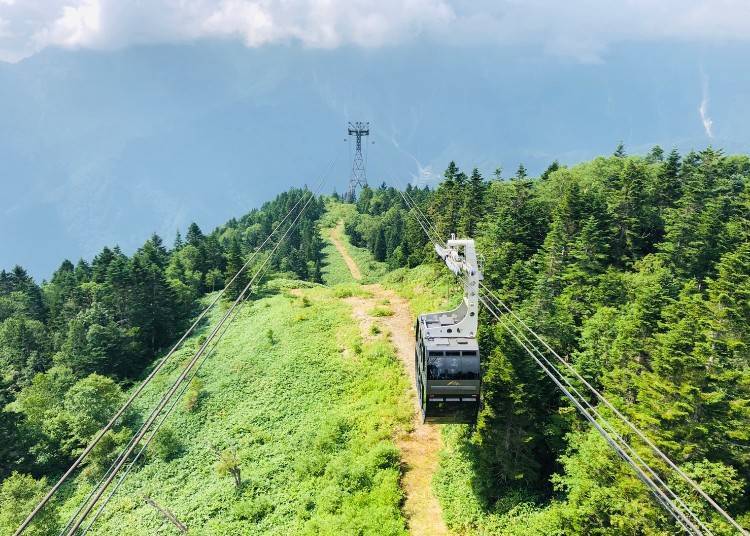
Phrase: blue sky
{"type": "Point", "coordinates": [122, 118]}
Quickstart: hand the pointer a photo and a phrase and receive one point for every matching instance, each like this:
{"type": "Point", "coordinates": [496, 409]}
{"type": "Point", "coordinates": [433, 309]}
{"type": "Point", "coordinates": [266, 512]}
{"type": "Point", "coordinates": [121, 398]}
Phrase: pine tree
{"type": "Point", "coordinates": [554, 166]}
{"type": "Point", "coordinates": [234, 262]}
{"type": "Point", "coordinates": [619, 151]}
{"type": "Point", "coordinates": [178, 243]}
{"type": "Point", "coordinates": [155, 308]}
{"type": "Point", "coordinates": [194, 235]}
{"type": "Point", "coordinates": [667, 187]}
{"type": "Point", "coordinates": [656, 154]}
{"type": "Point", "coordinates": [730, 304]}
{"type": "Point", "coordinates": [473, 208]}
{"type": "Point", "coordinates": [521, 173]}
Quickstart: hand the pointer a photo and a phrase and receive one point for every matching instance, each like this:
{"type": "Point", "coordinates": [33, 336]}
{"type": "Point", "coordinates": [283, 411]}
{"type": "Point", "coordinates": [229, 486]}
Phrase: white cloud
{"type": "Point", "coordinates": [577, 28]}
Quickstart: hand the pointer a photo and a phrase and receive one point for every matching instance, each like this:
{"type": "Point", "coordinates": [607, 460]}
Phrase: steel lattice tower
{"type": "Point", "coordinates": [359, 174]}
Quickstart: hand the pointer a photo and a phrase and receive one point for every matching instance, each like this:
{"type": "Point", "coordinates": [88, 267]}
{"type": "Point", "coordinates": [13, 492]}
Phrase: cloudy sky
{"type": "Point", "coordinates": [581, 29]}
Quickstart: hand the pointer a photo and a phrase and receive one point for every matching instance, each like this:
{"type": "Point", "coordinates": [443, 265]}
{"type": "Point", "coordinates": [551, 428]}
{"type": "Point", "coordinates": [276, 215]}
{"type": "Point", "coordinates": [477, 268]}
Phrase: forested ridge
{"type": "Point", "coordinates": [637, 270]}
{"type": "Point", "coordinates": [71, 346]}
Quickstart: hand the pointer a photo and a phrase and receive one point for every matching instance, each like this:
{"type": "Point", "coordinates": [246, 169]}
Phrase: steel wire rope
{"type": "Point", "coordinates": [590, 412]}
{"type": "Point", "coordinates": [189, 366]}
{"type": "Point", "coordinates": [643, 477]}
{"type": "Point", "coordinates": [166, 415]}
{"type": "Point", "coordinates": [619, 414]}
{"type": "Point", "coordinates": [153, 433]}
{"type": "Point", "coordinates": [256, 252]}
{"type": "Point", "coordinates": [80, 508]}
{"type": "Point", "coordinates": [143, 385]}
{"type": "Point", "coordinates": [427, 223]}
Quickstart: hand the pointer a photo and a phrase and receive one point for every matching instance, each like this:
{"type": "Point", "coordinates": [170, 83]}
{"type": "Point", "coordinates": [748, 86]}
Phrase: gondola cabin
{"type": "Point", "coordinates": [447, 360]}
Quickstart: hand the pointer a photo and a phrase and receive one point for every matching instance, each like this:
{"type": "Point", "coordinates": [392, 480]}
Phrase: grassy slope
{"type": "Point", "coordinates": [304, 470]}
{"type": "Point", "coordinates": [334, 269]}
{"type": "Point", "coordinates": [432, 288]}
{"type": "Point", "coordinates": [312, 426]}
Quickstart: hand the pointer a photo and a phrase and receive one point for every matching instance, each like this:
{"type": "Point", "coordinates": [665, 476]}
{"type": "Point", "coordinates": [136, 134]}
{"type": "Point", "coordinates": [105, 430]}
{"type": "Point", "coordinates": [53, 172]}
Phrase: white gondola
{"type": "Point", "coordinates": [447, 359]}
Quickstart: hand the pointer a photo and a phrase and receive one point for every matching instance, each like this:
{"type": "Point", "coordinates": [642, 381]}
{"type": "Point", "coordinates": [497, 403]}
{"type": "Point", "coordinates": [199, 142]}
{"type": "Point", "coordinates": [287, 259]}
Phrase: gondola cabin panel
{"type": "Point", "coordinates": [446, 357]}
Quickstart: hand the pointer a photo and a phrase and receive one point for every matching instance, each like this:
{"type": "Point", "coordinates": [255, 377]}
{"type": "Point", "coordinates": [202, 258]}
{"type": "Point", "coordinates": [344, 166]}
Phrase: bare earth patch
{"type": "Point", "coordinates": [420, 446]}
{"type": "Point", "coordinates": [337, 241]}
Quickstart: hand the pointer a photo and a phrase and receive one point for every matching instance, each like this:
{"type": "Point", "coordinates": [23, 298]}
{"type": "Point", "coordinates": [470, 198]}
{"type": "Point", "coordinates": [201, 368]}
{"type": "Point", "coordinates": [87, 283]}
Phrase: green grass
{"type": "Point", "coordinates": [335, 271]}
{"type": "Point", "coordinates": [336, 211]}
{"type": "Point", "coordinates": [312, 419]}
{"type": "Point", "coordinates": [428, 287]}
{"type": "Point", "coordinates": [380, 311]}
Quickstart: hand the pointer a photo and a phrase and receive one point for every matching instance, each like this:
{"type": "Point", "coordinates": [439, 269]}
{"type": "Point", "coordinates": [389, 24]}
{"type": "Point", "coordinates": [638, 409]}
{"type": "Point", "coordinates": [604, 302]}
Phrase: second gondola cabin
{"type": "Point", "coordinates": [447, 360]}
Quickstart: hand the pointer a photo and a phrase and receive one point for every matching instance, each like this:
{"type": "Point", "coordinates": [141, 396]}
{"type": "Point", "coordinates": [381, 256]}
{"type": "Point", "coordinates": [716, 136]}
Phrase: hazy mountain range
{"type": "Point", "coordinates": [105, 147]}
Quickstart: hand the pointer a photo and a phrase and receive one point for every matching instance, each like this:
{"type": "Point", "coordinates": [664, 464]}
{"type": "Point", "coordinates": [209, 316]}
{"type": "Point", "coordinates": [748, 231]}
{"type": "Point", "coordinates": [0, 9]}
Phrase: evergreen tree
{"type": "Point", "coordinates": [656, 154]}
{"type": "Point", "coordinates": [154, 304]}
{"type": "Point", "coordinates": [178, 243]}
{"type": "Point", "coordinates": [554, 166]}
{"type": "Point", "coordinates": [521, 172]}
{"type": "Point", "coordinates": [472, 210]}
{"type": "Point", "coordinates": [234, 262]}
{"type": "Point", "coordinates": [194, 235]}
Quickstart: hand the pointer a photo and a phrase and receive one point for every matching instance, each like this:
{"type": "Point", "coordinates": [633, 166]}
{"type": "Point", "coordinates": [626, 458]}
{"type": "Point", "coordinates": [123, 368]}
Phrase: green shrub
{"type": "Point", "coordinates": [105, 452]}
{"type": "Point", "coordinates": [253, 510]}
{"type": "Point", "coordinates": [333, 435]}
{"type": "Point", "coordinates": [19, 494]}
{"type": "Point", "coordinates": [329, 498]}
{"type": "Point", "coordinates": [228, 464]}
{"type": "Point", "coordinates": [166, 444]}
{"type": "Point", "coordinates": [381, 310]}
{"type": "Point", "coordinates": [193, 394]}
{"type": "Point", "coordinates": [343, 292]}
{"type": "Point", "coordinates": [384, 455]}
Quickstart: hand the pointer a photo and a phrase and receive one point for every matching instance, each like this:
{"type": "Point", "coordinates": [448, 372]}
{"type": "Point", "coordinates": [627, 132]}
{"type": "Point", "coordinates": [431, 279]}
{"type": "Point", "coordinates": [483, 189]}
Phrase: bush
{"type": "Point", "coordinates": [18, 495]}
{"type": "Point", "coordinates": [384, 456]}
{"type": "Point", "coordinates": [105, 452]}
{"type": "Point", "coordinates": [193, 395]}
{"type": "Point", "coordinates": [228, 464]}
{"type": "Point", "coordinates": [381, 310]}
{"type": "Point", "coordinates": [343, 292]}
{"type": "Point", "coordinates": [166, 445]}
{"type": "Point", "coordinates": [254, 510]}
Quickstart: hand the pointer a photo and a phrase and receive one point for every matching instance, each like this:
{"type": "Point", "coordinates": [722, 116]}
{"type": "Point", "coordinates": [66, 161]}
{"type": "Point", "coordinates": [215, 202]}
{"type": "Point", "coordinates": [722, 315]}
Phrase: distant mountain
{"type": "Point", "coordinates": [105, 147]}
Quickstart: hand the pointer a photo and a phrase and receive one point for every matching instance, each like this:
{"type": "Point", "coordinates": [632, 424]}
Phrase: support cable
{"type": "Point", "coordinates": [165, 399]}
{"type": "Point", "coordinates": [138, 455]}
{"type": "Point", "coordinates": [619, 414]}
{"type": "Point", "coordinates": [676, 510]}
{"type": "Point", "coordinates": [663, 493]}
{"type": "Point", "coordinates": [43, 502]}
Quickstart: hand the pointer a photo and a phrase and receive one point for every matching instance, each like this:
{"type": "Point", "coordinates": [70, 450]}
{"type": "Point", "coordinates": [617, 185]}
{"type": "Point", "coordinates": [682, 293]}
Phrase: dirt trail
{"type": "Point", "coordinates": [421, 446]}
{"type": "Point", "coordinates": [336, 239]}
